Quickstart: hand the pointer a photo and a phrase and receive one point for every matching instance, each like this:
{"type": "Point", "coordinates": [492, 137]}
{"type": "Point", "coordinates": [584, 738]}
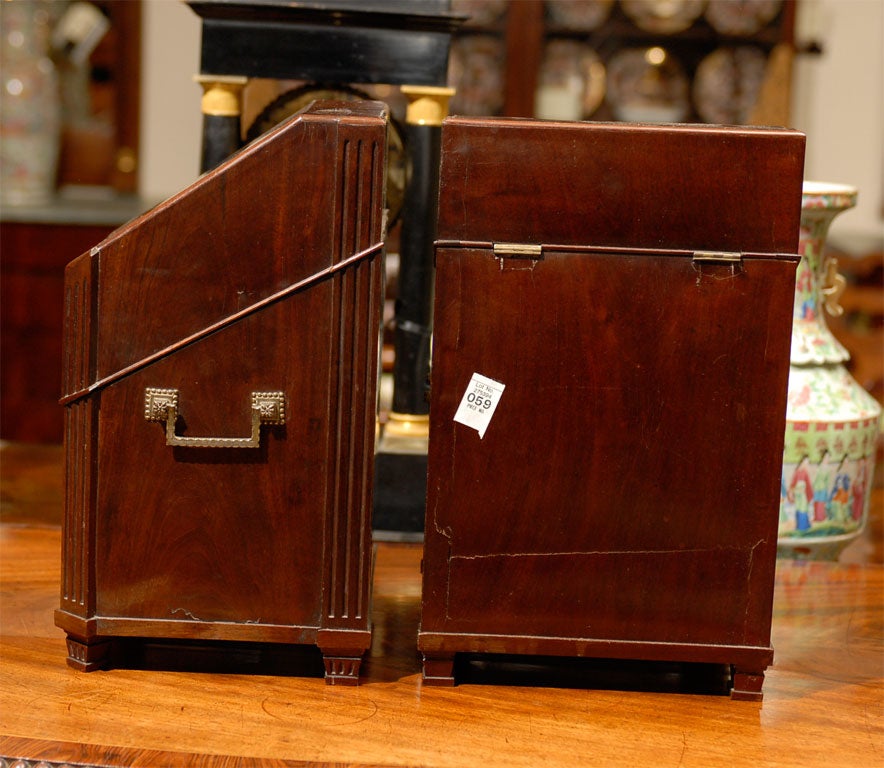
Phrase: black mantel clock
{"type": "Point", "coordinates": [393, 42]}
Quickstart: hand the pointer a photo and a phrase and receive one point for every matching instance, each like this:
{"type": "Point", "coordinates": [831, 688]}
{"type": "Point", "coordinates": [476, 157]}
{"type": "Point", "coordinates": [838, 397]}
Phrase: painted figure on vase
{"type": "Point", "coordinates": [821, 496]}
{"type": "Point", "coordinates": [841, 495]}
{"type": "Point", "coordinates": [801, 495]}
{"type": "Point", "coordinates": [859, 491]}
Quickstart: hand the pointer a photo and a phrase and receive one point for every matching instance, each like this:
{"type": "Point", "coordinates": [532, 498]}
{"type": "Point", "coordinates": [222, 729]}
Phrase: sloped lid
{"type": "Point", "coordinates": [302, 201]}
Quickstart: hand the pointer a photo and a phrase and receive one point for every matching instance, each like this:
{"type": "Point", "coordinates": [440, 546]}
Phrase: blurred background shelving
{"type": "Point", "coordinates": [815, 65]}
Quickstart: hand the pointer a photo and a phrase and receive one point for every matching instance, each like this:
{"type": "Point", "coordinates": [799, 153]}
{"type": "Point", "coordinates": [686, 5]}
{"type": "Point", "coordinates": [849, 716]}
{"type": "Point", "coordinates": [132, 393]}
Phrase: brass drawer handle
{"type": "Point", "coordinates": [162, 405]}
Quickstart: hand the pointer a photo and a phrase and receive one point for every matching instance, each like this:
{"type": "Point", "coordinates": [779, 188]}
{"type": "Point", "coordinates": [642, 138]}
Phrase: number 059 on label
{"type": "Point", "coordinates": [479, 402]}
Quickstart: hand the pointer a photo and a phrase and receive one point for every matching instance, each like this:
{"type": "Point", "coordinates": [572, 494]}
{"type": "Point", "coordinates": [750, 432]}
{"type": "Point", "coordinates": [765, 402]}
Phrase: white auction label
{"type": "Point", "coordinates": [478, 403]}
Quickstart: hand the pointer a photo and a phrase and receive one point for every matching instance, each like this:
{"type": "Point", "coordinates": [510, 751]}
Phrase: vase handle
{"type": "Point", "coordinates": [832, 288]}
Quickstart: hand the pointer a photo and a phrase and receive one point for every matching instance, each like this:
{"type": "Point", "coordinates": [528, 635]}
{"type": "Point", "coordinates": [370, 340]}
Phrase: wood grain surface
{"type": "Point", "coordinates": [824, 694]}
{"type": "Point", "coordinates": [205, 540]}
{"type": "Point", "coordinates": [635, 305]}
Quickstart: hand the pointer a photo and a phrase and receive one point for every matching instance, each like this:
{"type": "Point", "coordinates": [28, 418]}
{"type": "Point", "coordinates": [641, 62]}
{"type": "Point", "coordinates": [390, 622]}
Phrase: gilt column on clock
{"type": "Point", "coordinates": [427, 108]}
{"type": "Point", "coordinates": [221, 106]}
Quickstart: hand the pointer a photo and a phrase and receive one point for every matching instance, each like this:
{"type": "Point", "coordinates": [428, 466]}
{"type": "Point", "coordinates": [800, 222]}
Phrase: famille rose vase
{"type": "Point", "coordinates": [30, 107]}
{"type": "Point", "coordinates": [831, 421]}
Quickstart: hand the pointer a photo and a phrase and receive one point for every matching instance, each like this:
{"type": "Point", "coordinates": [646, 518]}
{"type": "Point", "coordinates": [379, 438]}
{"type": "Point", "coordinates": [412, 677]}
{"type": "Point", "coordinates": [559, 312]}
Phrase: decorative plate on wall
{"type": "Point", "coordinates": [744, 17]}
{"type": "Point", "coordinates": [727, 84]}
{"type": "Point", "coordinates": [578, 14]}
{"type": "Point", "coordinates": [476, 70]}
{"type": "Point", "coordinates": [571, 85]}
{"type": "Point", "coordinates": [664, 17]}
{"type": "Point", "coordinates": [647, 85]}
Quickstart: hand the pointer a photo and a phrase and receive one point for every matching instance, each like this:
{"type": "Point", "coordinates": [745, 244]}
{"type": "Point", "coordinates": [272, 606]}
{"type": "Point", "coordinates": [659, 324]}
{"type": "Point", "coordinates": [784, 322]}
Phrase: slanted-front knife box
{"type": "Point", "coordinates": [611, 352]}
{"type": "Point", "coordinates": [220, 391]}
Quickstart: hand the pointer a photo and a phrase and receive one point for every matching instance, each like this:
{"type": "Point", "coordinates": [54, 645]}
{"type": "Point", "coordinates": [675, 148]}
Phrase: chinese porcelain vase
{"type": "Point", "coordinates": [30, 110]}
{"type": "Point", "coordinates": [831, 421]}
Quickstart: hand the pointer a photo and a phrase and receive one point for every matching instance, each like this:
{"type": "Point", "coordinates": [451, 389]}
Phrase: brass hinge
{"type": "Point", "coordinates": [717, 257]}
{"type": "Point", "coordinates": [518, 251]}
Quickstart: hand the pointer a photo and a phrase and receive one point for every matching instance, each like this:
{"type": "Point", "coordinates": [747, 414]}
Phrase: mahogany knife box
{"type": "Point", "coordinates": [220, 388]}
{"type": "Point", "coordinates": [630, 289]}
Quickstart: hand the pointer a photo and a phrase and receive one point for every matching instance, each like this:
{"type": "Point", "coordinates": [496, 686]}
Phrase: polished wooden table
{"type": "Point", "coordinates": [823, 704]}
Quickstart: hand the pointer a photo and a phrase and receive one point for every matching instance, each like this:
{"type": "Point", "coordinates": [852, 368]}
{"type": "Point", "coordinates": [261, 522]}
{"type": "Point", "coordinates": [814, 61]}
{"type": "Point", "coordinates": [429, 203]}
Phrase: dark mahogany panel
{"type": "Point", "coordinates": [620, 184]}
{"type": "Point", "coordinates": [623, 500]}
{"type": "Point", "coordinates": [264, 276]}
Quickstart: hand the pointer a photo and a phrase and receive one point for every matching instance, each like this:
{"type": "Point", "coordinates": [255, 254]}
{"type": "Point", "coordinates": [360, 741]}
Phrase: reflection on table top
{"type": "Point", "coordinates": [823, 705]}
